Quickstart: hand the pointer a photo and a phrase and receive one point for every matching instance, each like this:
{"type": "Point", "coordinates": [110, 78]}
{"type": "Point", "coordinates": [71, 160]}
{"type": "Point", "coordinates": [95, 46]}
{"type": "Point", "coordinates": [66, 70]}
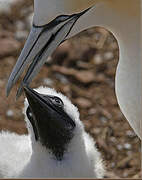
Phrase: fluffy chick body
{"type": "Point", "coordinates": [23, 156]}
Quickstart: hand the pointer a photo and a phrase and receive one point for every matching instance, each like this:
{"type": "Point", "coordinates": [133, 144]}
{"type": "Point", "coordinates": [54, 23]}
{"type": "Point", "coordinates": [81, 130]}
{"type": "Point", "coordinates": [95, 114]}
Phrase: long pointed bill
{"type": "Point", "coordinates": [41, 43]}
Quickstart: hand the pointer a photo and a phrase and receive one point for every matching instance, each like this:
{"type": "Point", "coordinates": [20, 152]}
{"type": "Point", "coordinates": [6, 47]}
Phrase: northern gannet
{"type": "Point", "coordinates": [57, 20]}
{"type": "Point", "coordinates": [57, 145]}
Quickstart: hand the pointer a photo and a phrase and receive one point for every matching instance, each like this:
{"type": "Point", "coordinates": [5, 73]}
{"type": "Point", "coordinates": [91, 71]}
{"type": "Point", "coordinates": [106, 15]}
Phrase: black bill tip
{"type": "Point", "coordinates": [28, 91]}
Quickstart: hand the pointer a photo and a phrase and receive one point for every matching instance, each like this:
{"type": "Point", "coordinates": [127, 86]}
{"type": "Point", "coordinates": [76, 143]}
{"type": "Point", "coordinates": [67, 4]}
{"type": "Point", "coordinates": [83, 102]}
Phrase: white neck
{"type": "Point", "coordinates": [44, 164]}
{"type": "Point", "coordinates": [122, 18]}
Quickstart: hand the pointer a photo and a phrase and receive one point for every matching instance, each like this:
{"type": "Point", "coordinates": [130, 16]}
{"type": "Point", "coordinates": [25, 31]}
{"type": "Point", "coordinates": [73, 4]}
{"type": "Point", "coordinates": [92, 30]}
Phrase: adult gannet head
{"type": "Point", "coordinates": [56, 20]}
{"type": "Point", "coordinates": [41, 43]}
{"type": "Point", "coordinates": [61, 147]}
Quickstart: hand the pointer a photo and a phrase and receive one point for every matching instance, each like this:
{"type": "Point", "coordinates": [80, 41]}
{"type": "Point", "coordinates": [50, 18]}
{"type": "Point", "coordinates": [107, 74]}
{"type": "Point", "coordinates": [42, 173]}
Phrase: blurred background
{"type": "Point", "coordinates": [83, 68]}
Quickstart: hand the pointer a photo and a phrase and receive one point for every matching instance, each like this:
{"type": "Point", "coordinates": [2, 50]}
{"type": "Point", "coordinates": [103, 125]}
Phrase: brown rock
{"type": "Point", "coordinates": [8, 46]}
{"type": "Point", "coordinates": [85, 76]}
{"type": "Point", "coordinates": [83, 103]}
{"type": "Point", "coordinates": [82, 76]}
{"type": "Point", "coordinates": [6, 34]}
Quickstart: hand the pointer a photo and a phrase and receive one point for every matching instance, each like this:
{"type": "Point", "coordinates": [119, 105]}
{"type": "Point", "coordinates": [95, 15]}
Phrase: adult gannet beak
{"type": "Point", "coordinates": [41, 43]}
{"type": "Point", "coordinates": [53, 125]}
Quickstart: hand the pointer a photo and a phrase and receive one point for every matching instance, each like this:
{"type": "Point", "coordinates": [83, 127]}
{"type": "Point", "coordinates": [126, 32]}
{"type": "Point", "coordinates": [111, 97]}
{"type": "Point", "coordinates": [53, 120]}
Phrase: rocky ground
{"type": "Point", "coordinates": [83, 68]}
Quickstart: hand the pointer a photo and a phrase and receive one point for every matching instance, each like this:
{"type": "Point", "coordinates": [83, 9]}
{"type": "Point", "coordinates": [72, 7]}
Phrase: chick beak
{"type": "Point", "coordinates": [54, 126]}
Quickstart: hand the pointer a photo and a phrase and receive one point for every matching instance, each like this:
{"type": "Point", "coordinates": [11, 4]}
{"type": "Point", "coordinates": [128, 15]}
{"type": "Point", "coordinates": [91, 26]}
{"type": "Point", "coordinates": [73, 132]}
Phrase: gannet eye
{"type": "Point", "coordinates": [62, 18]}
{"type": "Point", "coordinates": [30, 117]}
{"type": "Point", "coordinates": [29, 114]}
{"type": "Point", "coordinates": [57, 101]}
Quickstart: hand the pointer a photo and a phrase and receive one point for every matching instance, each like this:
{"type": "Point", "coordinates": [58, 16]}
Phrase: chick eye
{"type": "Point", "coordinates": [30, 117]}
{"type": "Point", "coordinates": [57, 101]}
{"type": "Point", "coordinates": [29, 114]}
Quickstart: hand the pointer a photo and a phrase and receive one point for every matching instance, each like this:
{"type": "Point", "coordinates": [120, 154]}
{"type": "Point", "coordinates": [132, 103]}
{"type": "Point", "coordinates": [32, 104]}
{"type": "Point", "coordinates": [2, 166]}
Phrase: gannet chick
{"type": "Point", "coordinates": [58, 146]}
{"type": "Point", "coordinates": [61, 147]}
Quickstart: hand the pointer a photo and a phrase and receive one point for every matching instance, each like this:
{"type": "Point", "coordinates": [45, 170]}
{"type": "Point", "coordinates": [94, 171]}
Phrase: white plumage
{"type": "Point", "coordinates": [15, 153]}
{"type": "Point", "coordinates": [23, 156]}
